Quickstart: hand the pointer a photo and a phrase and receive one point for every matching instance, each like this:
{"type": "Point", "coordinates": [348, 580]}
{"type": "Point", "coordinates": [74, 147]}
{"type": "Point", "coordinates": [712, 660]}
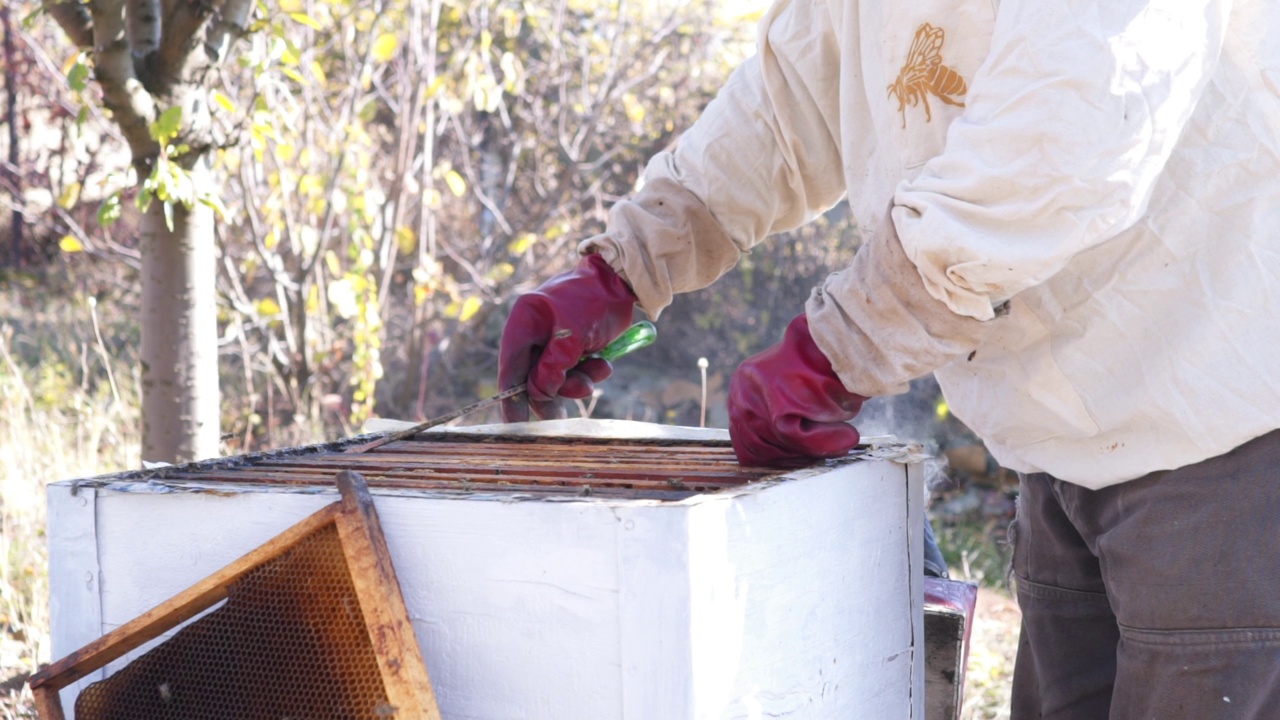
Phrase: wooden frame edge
{"type": "Point", "coordinates": [404, 672]}
{"type": "Point", "coordinates": [368, 560]}
{"type": "Point", "coordinates": [172, 612]}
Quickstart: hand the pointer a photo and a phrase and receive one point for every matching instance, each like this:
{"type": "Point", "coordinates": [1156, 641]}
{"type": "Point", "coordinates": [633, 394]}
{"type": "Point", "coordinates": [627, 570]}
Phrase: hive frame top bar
{"type": "Point", "coordinates": [561, 463]}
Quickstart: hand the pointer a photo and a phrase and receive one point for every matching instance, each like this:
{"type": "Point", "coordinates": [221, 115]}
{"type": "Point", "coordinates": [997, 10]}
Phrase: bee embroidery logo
{"type": "Point", "coordinates": [924, 73]}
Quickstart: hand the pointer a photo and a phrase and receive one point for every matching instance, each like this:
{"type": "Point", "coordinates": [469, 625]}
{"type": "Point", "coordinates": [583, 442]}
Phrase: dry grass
{"type": "Point", "coordinates": [975, 546]}
{"type": "Point", "coordinates": [993, 644]}
{"type": "Point", "coordinates": [59, 419]}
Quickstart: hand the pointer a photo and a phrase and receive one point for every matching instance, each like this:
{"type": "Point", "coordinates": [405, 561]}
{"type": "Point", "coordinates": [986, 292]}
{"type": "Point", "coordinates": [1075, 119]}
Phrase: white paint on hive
{"type": "Point", "coordinates": [798, 598]}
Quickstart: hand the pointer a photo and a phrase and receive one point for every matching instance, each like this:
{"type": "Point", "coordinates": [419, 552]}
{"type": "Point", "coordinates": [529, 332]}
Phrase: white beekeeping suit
{"type": "Point", "coordinates": [1070, 209]}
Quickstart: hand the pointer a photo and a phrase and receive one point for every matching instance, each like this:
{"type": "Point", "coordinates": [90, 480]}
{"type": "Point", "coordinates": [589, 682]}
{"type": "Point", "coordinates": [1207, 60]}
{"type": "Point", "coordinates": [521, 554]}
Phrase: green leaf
{"type": "Point", "coordinates": [79, 75]}
{"type": "Point", "coordinates": [166, 127]}
{"type": "Point", "coordinates": [145, 196]}
{"type": "Point", "coordinates": [29, 20]}
{"type": "Point", "coordinates": [215, 202]}
{"type": "Point", "coordinates": [109, 211]}
{"type": "Point", "coordinates": [168, 214]}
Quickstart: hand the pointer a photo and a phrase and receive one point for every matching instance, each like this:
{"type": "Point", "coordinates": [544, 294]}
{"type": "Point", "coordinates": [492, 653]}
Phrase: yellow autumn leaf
{"type": "Point", "coordinates": [456, 184]}
{"type": "Point", "coordinates": [420, 294]}
{"type": "Point", "coordinates": [500, 272]}
{"type": "Point", "coordinates": [267, 307]}
{"type": "Point", "coordinates": [435, 86]}
{"type": "Point", "coordinates": [384, 48]}
{"type": "Point", "coordinates": [310, 184]}
{"type": "Point", "coordinates": [470, 307]}
{"type": "Point", "coordinates": [522, 242]}
{"type": "Point", "coordinates": [318, 72]}
{"type": "Point", "coordinates": [69, 244]}
{"type": "Point", "coordinates": [293, 75]}
{"type": "Point", "coordinates": [224, 102]}
{"type": "Point", "coordinates": [942, 410]}
{"type": "Point", "coordinates": [635, 111]}
{"type": "Point", "coordinates": [331, 263]}
{"type": "Point", "coordinates": [406, 240]}
{"type": "Point", "coordinates": [70, 196]}
{"type": "Point", "coordinates": [305, 19]}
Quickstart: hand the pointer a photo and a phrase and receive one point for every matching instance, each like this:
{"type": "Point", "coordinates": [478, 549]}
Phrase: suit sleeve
{"type": "Point", "coordinates": [762, 158]}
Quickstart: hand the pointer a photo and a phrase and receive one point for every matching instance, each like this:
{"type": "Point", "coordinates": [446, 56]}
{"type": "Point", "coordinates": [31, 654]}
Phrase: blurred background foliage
{"type": "Point", "coordinates": [395, 173]}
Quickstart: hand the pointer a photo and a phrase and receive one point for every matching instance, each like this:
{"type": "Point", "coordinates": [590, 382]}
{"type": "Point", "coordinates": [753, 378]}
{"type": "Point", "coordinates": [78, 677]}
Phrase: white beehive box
{"type": "Point", "coordinates": [796, 595]}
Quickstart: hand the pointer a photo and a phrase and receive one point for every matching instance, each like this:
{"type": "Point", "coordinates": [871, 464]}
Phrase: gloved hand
{"type": "Point", "coordinates": [787, 407]}
{"type": "Point", "coordinates": [551, 328]}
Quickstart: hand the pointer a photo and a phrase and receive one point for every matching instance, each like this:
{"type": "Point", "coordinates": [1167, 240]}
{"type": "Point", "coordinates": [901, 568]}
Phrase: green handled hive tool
{"type": "Point", "coordinates": [637, 336]}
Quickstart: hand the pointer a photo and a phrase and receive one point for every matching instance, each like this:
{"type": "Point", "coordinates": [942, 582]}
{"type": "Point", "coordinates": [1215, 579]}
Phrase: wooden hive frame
{"type": "Point", "coordinates": [403, 673]}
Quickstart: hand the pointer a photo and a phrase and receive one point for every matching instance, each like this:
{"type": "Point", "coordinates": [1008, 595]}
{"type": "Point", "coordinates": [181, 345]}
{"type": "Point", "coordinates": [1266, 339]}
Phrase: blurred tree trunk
{"type": "Point", "coordinates": [11, 119]}
{"type": "Point", "coordinates": [180, 399]}
{"type": "Point", "coordinates": [155, 62]}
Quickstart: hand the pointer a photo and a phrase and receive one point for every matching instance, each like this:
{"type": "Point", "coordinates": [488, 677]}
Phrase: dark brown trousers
{"type": "Point", "coordinates": [1155, 599]}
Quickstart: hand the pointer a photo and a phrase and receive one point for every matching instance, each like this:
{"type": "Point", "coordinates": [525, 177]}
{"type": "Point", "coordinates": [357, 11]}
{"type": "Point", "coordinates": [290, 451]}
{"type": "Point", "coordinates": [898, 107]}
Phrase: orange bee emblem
{"type": "Point", "coordinates": [924, 73]}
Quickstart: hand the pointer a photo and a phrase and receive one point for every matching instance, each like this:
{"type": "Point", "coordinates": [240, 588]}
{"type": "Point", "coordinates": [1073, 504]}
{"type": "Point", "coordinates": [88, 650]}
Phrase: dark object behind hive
{"type": "Point", "coordinates": [948, 618]}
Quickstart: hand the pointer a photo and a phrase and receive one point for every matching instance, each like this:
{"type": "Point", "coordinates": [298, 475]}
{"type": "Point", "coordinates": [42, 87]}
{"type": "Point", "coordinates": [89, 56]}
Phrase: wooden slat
{"type": "Point", "coordinates": [174, 611]}
{"type": "Point", "coordinates": [558, 472]}
{"type": "Point", "coordinates": [404, 674]}
{"type": "Point", "coordinates": [673, 489]}
{"type": "Point", "coordinates": [551, 467]}
{"type": "Point", "coordinates": [48, 703]}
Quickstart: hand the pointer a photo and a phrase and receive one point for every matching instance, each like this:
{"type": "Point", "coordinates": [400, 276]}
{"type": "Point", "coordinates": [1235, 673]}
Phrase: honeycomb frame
{"type": "Point", "coordinates": [344, 538]}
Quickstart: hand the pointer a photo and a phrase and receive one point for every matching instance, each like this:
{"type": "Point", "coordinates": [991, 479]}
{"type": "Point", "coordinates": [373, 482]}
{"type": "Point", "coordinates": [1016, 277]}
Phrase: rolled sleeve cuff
{"type": "Point", "coordinates": [880, 326]}
{"type": "Point", "coordinates": [663, 241]}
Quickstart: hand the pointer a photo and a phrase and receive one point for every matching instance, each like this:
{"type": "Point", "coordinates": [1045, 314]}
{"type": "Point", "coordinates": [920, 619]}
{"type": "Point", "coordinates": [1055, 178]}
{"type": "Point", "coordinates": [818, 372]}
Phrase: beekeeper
{"type": "Point", "coordinates": [1072, 217]}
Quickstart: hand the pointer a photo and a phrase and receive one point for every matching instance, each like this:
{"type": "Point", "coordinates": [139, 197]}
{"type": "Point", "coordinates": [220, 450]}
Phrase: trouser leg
{"type": "Point", "coordinates": [1188, 564]}
{"type": "Point", "coordinates": [1066, 660]}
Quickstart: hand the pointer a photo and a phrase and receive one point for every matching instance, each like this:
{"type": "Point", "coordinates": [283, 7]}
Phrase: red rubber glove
{"type": "Point", "coordinates": [551, 328]}
{"type": "Point", "coordinates": [787, 407]}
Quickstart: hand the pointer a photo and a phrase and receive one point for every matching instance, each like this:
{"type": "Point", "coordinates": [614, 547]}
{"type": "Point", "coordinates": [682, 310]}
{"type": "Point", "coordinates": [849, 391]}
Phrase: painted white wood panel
{"type": "Point", "coordinates": [515, 604]}
{"type": "Point", "coordinates": [793, 599]}
{"type": "Point", "coordinates": [74, 602]}
{"type": "Point", "coordinates": [801, 598]}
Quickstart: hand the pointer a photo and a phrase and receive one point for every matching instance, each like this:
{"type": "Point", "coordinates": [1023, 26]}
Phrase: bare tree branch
{"type": "Point", "coordinates": [176, 61]}
{"type": "Point", "coordinates": [131, 105]}
{"type": "Point", "coordinates": [73, 17]}
{"type": "Point", "coordinates": [228, 25]}
{"type": "Point", "coordinates": [142, 25]}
